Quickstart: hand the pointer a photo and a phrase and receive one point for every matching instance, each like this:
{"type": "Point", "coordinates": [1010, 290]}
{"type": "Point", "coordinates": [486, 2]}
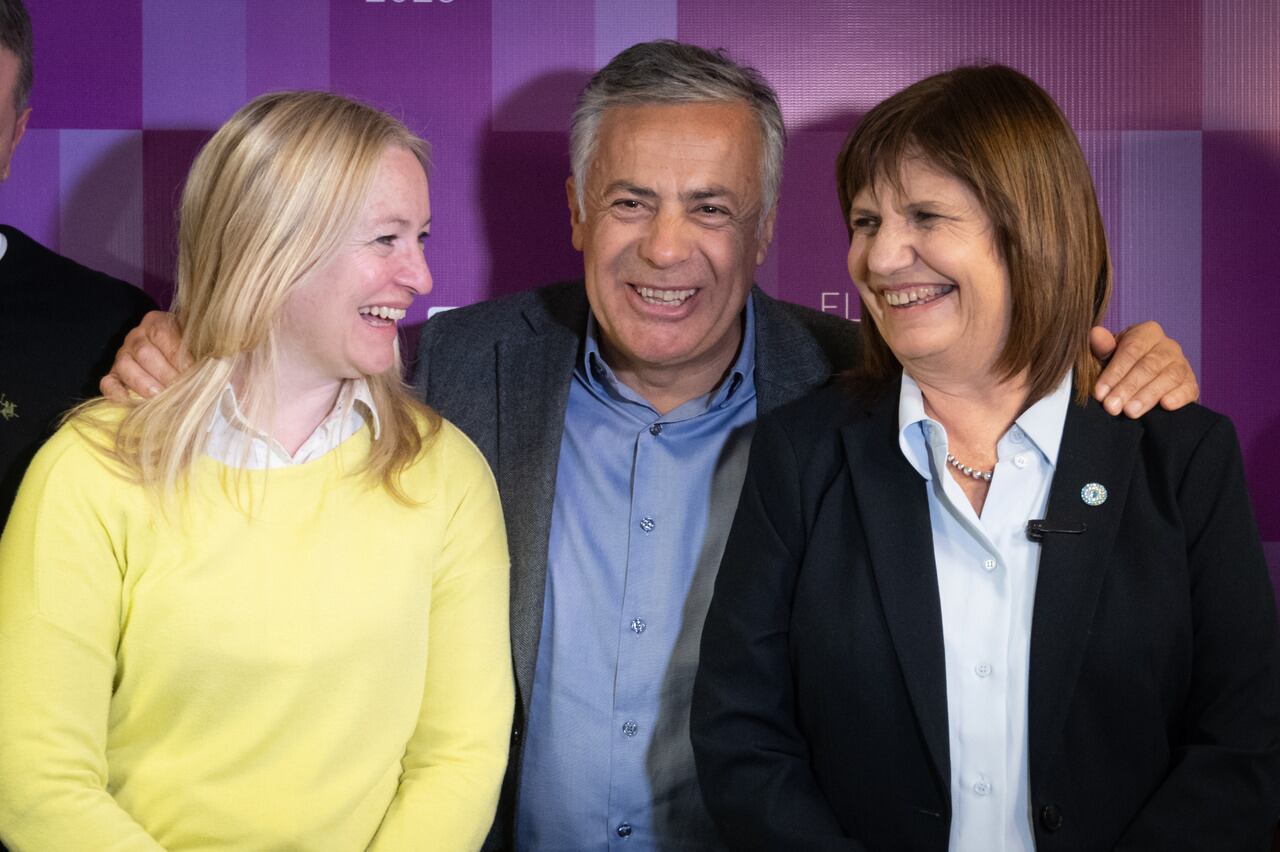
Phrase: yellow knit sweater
{"type": "Point", "coordinates": [333, 674]}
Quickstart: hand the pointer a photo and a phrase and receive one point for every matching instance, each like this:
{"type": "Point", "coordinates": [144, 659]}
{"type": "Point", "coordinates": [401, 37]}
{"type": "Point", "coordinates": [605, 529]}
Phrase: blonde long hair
{"type": "Point", "coordinates": [268, 200]}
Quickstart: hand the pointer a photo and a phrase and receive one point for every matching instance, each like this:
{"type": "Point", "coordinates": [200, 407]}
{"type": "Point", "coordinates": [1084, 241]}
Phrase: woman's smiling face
{"type": "Point", "coordinates": [924, 260]}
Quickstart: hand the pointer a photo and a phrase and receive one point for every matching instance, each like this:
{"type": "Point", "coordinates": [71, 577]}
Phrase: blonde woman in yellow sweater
{"type": "Point", "coordinates": [266, 609]}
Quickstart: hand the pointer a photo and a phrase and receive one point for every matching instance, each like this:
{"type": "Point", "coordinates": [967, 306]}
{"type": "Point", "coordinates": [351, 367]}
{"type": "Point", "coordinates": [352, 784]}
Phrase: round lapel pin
{"type": "Point", "coordinates": [1094, 494]}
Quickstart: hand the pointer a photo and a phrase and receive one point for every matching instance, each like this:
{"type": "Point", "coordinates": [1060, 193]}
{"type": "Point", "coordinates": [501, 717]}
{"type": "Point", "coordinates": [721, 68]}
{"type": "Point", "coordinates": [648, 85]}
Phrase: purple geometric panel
{"type": "Point", "coordinates": [1104, 150]}
{"type": "Point", "coordinates": [29, 199]}
{"type": "Point", "coordinates": [1156, 252]}
{"type": "Point", "coordinates": [88, 63]}
{"type": "Point", "coordinates": [1240, 309]}
{"type": "Point", "coordinates": [543, 53]}
{"type": "Point", "coordinates": [527, 240]}
{"type": "Point", "coordinates": [620, 25]}
{"type": "Point", "coordinates": [811, 244]}
{"type": "Point", "coordinates": [1131, 65]}
{"type": "Point", "coordinates": [425, 64]}
{"type": "Point", "coordinates": [287, 46]}
{"type": "Point", "coordinates": [101, 183]}
{"type": "Point", "coordinates": [166, 158]}
{"type": "Point", "coordinates": [1241, 65]}
{"type": "Point", "coordinates": [193, 59]}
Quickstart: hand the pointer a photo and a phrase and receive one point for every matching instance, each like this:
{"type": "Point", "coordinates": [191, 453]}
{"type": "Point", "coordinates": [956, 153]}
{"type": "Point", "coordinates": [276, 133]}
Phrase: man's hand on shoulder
{"type": "Point", "coordinates": [150, 358]}
{"type": "Point", "coordinates": [1145, 367]}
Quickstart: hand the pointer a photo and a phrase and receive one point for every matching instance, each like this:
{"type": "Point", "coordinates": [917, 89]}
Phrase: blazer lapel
{"type": "Point", "coordinates": [533, 392]}
{"type": "Point", "coordinates": [789, 361]}
{"type": "Point", "coordinates": [1096, 448]}
{"type": "Point", "coordinates": [894, 506]}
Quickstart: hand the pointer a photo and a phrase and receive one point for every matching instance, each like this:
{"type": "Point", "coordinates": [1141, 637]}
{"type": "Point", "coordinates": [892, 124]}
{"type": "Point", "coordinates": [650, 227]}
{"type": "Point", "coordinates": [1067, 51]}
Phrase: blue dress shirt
{"type": "Point", "coordinates": [643, 505]}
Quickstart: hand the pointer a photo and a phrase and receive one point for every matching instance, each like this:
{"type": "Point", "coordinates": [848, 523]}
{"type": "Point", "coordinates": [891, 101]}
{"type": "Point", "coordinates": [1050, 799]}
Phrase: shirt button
{"type": "Point", "coordinates": [989, 564]}
{"type": "Point", "coordinates": [1020, 460]}
{"type": "Point", "coordinates": [630, 727]}
{"type": "Point", "coordinates": [1015, 435]}
{"type": "Point", "coordinates": [624, 829]}
{"type": "Point", "coordinates": [647, 524]}
{"type": "Point", "coordinates": [638, 626]}
{"type": "Point", "coordinates": [655, 430]}
{"type": "Point", "coordinates": [982, 788]}
{"type": "Point", "coordinates": [982, 669]}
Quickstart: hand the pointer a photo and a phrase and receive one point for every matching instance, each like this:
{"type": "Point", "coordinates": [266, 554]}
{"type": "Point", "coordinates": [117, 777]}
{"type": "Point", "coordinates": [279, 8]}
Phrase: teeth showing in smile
{"type": "Point", "coordinates": [383, 312]}
{"type": "Point", "coordinates": [912, 295]}
{"type": "Point", "coordinates": [664, 297]}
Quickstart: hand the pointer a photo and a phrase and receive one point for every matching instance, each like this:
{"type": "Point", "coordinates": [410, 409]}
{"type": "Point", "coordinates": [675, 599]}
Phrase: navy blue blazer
{"type": "Point", "coordinates": [820, 712]}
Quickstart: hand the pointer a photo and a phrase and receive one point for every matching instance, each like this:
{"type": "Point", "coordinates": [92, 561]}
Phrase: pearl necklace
{"type": "Point", "coordinates": [983, 475]}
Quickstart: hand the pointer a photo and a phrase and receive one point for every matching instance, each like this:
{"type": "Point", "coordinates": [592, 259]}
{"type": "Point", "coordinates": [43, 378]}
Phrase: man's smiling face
{"type": "Point", "coordinates": [672, 232]}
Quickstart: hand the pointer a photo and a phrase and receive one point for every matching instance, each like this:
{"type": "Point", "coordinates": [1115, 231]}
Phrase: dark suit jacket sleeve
{"type": "Point", "coordinates": [752, 759]}
{"type": "Point", "coordinates": [1230, 757]}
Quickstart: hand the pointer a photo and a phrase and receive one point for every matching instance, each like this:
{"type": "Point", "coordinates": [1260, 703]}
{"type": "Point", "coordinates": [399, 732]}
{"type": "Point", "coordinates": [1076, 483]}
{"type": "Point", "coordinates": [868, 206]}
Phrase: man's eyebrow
{"type": "Point", "coordinates": [713, 191]}
{"type": "Point", "coordinates": [630, 189]}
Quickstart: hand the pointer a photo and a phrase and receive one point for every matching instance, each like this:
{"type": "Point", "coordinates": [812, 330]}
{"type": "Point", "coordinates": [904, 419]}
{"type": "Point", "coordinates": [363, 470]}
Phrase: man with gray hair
{"type": "Point", "coordinates": [617, 414]}
{"type": "Point", "coordinates": [59, 322]}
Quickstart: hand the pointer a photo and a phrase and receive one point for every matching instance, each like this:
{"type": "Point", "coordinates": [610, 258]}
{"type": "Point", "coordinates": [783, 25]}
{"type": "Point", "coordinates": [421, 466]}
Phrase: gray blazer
{"type": "Point", "coordinates": [500, 370]}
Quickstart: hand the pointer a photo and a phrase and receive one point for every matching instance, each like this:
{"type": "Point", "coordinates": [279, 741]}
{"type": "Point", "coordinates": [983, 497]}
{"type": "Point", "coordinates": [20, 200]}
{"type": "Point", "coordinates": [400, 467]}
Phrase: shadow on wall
{"type": "Point", "coordinates": [520, 192]}
{"type": "Point", "coordinates": [102, 215]}
{"type": "Point", "coordinates": [167, 156]}
{"type": "Point", "coordinates": [522, 188]}
{"type": "Point", "coordinates": [1240, 304]}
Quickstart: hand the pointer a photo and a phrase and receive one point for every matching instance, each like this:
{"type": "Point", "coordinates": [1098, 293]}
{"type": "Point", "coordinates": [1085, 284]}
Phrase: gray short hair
{"type": "Point", "coordinates": [15, 36]}
{"type": "Point", "coordinates": [670, 72]}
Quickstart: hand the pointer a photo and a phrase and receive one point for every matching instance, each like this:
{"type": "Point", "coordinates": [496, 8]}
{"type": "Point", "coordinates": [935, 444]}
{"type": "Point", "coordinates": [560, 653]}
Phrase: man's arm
{"type": "Point", "coordinates": [1145, 366]}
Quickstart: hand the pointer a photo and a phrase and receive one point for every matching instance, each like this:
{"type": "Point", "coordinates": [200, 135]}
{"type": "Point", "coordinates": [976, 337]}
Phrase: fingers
{"type": "Point", "coordinates": [150, 358]}
{"type": "Point", "coordinates": [1102, 342]}
{"type": "Point", "coordinates": [1146, 369]}
{"type": "Point", "coordinates": [110, 387]}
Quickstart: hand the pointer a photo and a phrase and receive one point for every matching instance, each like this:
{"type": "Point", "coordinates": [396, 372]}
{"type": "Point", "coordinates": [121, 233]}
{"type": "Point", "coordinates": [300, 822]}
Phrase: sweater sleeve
{"type": "Point", "coordinates": [453, 767]}
{"type": "Point", "coordinates": [61, 577]}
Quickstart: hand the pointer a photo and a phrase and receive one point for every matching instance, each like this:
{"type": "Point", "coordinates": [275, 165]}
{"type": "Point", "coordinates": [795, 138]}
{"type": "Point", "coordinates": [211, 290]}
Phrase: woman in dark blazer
{"type": "Point", "coordinates": [961, 606]}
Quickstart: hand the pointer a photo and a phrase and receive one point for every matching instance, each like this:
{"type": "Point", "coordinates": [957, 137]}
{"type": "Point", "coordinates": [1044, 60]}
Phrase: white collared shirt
{"type": "Point", "coordinates": [234, 442]}
{"type": "Point", "coordinates": [987, 571]}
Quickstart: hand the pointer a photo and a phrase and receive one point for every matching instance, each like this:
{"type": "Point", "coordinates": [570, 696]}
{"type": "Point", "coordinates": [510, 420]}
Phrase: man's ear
{"type": "Point", "coordinates": [575, 212]}
{"type": "Point", "coordinates": [766, 236]}
{"type": "Point", "coordinates": [11, 145]}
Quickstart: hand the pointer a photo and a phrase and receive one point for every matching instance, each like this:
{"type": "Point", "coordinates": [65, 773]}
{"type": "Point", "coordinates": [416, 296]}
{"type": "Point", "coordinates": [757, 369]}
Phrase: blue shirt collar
{"type": "Point", "coordinates": [602, 380]}
{"type": "Point", "coordinates": [1042, 423]}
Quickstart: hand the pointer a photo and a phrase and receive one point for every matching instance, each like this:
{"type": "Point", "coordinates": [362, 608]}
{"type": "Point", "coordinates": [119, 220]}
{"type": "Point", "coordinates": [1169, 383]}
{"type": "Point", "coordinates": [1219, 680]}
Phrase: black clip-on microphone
{"type": "Point", "coordinates": [1038, 529]}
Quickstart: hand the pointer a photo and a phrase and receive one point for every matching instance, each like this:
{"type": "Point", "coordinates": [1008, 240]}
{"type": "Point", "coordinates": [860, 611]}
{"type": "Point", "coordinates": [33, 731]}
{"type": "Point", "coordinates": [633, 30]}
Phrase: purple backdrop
{"type": "Point", "coordinates": [1177, 103]}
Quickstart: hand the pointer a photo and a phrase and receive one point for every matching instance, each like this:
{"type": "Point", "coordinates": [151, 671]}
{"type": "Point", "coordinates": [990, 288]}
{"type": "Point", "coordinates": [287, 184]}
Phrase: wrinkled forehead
{"type": "Point", "coordinates": [725, 133]}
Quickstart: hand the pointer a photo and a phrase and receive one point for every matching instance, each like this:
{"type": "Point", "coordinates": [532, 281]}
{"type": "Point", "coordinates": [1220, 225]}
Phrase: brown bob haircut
{"type": "Point", "coordinates": [1003, 136]}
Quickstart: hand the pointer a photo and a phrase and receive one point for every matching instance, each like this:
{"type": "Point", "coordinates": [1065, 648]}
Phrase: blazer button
{"type": "Point", "coordinates": [1051, 818]}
